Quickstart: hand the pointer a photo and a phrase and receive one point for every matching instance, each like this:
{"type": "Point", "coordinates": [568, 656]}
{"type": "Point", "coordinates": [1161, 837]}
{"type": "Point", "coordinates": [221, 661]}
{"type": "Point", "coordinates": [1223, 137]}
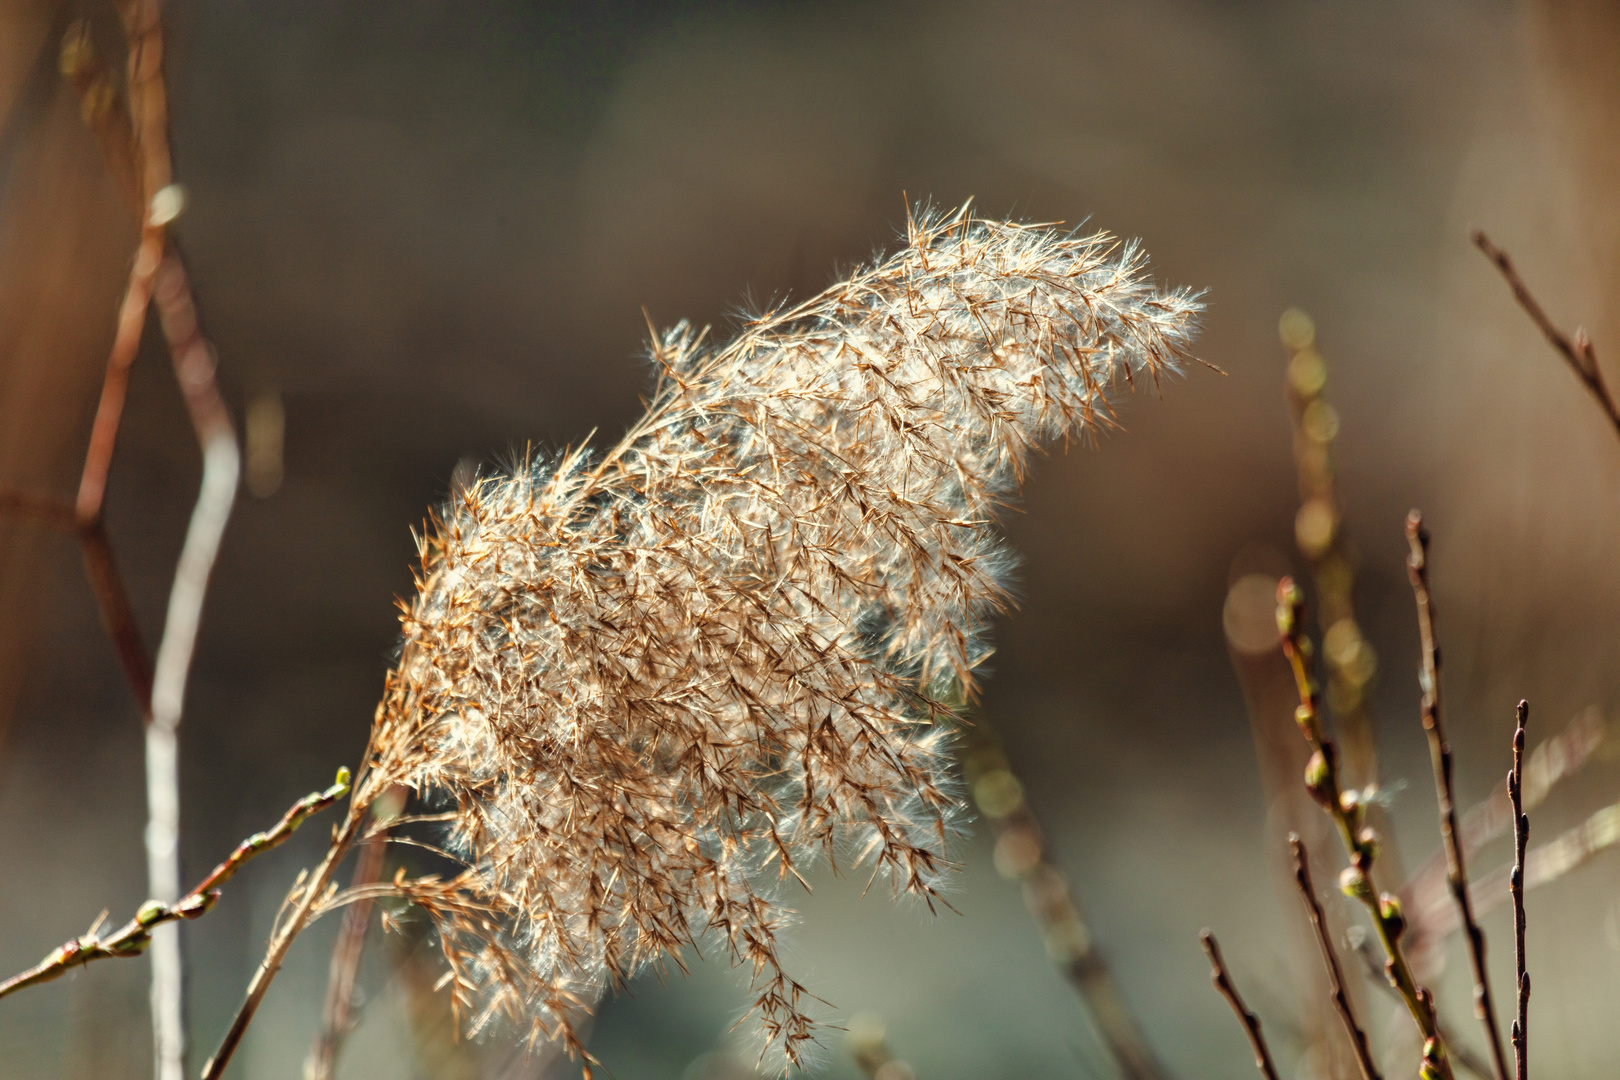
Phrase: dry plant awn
{"type": "Point", "coordinates": [655, 682]}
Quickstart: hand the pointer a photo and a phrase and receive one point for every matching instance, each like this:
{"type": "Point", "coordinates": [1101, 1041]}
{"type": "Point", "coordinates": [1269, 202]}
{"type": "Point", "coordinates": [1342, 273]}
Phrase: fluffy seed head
{"type": "Point", "coordinates": [655, 681]}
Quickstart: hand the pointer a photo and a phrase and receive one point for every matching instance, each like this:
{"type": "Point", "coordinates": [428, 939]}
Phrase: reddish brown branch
{"type": "Point", "coordinates": [1576, 349]}
{"type": "Point", "coordinates": [1251, 1023]}
{"type": "Point", "coordinates": [1521, 838]}
{"type": "Point", "coordinates": [1417, 566]}
{"type": "Point", "coordinates": [1330, 960]}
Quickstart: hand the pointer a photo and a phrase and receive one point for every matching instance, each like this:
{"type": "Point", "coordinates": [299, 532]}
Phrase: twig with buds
{"type": "Point", "coordinates": [135, 144]}
{"type": "Point", "coordinates": [133, 937]}
{"type": "Point", "coordinates": [1348, 812]}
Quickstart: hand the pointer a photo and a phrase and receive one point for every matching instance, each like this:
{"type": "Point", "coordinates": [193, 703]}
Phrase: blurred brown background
{"type": "Point", "coordinates": [427, 231]}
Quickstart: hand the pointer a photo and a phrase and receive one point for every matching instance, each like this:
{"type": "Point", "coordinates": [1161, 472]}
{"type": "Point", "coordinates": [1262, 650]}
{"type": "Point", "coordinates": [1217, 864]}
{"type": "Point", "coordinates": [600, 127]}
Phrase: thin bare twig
{"type": "Point", "coordinates": [1521, 838]}
{"type": "Point", "coordinates": [133, 937]}
{"type": "Point", "coordinates": [1426, 894]}
{"type": "Point", "coordinates": [1251, 1023]}
{"type": "Point", "coordinates": [1576, 348]}
{"type": "Point", "coordinates": [1543, 864]}
{"type": "Point", "coordinates": [1417, 566]}
{"type": "Point", "coordinates": [337, 1015]}
{"type": "Point", "coordinates": [1330, 960]}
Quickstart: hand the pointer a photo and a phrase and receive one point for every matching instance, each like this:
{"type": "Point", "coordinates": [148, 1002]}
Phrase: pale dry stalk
{"type": "Point", "coordinates": [131, 121]}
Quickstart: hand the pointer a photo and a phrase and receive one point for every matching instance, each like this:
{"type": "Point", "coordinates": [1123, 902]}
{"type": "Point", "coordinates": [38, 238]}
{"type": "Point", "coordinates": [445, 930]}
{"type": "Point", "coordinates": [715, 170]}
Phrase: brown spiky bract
{"type": "Point", "coordinates": [655, 681]}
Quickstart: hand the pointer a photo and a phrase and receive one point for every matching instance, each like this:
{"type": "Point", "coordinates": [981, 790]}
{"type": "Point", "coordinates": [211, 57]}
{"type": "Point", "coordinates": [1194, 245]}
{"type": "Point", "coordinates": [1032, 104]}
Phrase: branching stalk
{"type": "Point", "coordinates": [310, 893]}
{"type": "Point", "coordinates": [337, 1015]}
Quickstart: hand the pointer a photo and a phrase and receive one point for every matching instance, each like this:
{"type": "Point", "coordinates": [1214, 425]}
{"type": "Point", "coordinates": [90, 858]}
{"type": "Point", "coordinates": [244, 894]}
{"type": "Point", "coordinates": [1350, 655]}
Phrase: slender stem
{"type": "Point", "coordinates": [312, 891]}
{"type": "Point", "coordinates": [1348, 812]}
{"type": "Point", "coordinates": [1521, 839]}
{"type": "Point", "coordinates": [1576, 349]}
{"type": "Point", "coordinates": [337, 1015]}
{"type": "Point", "coordinates": [1330, 960]}
{"type": "Point", "coordinates": [1251, 1023]}
{"type": "Point", "coordinates": [115, 385]}
{"type": "Point", "coordinates": [133, 937]}
{"type": "Point", "coordinates": [117, 613]}
{"type": "Point", "coordinates": [1417, 566]}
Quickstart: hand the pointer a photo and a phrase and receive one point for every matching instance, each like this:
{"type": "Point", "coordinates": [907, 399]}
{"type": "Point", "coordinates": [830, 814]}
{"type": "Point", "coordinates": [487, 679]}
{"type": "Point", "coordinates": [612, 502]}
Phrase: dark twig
{"type": "Point", "coordinates": [1417, 566]}
{"type": "Point", "coordinates": [133, 937]}
{"type": "Point", "coordinates": [1251, 1023]}
{"type": "Point", "coordinates": [1426, 893]}
{"type": "Point", "coordinates": [1576, 349]}
{"type": "Point", "coordinates": [1521, 838]}
{"type": "Point", "coordinates": [1330, 960]}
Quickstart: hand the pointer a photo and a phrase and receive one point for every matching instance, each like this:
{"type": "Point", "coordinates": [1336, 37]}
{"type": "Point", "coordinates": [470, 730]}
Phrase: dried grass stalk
{"type": "Point", "coordinates": [656, 681]}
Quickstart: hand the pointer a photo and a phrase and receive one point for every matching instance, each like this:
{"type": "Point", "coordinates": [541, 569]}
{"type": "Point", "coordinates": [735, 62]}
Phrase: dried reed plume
{"type": "Point", "coordinates": [655, 682]}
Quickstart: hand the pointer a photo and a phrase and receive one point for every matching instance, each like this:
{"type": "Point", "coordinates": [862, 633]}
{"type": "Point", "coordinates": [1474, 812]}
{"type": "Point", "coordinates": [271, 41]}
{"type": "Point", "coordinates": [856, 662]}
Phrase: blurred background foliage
{"type": "Point", "coordinates": [423, 233]}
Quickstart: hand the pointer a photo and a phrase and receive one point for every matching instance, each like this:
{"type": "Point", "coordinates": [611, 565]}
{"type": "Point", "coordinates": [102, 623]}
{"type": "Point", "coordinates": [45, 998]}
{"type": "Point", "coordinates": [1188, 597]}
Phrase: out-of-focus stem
{"type": "Point", "coordinates": [1021, 855]}
{"type": "Point", "coordinates": [1349, 659]}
